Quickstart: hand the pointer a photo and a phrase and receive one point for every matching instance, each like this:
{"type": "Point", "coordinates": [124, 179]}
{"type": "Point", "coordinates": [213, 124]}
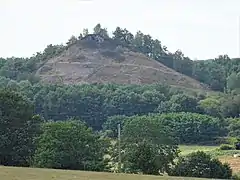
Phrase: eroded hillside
{"type": "Point", "coordinates": [97, 60]}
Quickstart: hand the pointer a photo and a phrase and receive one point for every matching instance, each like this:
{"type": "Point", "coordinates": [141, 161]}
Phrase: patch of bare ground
{"type": "Point", "coordinates": [80, 64]}
{"type": "Point", "coordinates": [234, 162]}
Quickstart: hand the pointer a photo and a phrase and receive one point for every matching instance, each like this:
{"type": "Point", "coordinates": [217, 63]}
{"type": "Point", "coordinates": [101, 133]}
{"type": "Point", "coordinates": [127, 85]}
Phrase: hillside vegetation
{"type": "Point", "coordinates": [61, 108]}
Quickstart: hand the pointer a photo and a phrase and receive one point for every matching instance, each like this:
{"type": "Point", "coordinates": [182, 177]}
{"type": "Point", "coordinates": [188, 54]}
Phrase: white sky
{"type": "Point", "coordinates": [202, 29]}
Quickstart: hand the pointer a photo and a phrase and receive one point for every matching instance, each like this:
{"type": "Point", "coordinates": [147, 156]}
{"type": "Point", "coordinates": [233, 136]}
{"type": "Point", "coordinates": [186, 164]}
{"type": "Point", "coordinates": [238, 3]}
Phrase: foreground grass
{"type": "Point", "coordinates": [16, 173]}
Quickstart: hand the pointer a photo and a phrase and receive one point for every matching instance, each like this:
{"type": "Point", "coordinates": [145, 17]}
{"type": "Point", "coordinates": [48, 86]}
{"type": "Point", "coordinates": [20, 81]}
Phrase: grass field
{"type": "Point", "coordinates": [14, 173]}
{"type": "Point", "coordinates": [189, 149]}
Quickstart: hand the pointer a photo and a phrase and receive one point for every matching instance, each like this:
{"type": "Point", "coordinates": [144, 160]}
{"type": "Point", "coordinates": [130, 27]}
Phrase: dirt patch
{"type": "Point", "coordinates": [99, 64]}
{"type": "Point", "coordinates": [234, 162]}
{"type": "Point", "coordinates": [114, 55]}
{"type": "Point", "coordinates": [46, 68]}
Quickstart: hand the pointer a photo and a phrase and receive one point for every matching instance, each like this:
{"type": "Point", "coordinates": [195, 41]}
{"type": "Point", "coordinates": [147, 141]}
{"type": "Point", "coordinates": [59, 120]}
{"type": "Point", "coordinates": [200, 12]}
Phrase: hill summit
{"type": "Point", "coordinates": [95, 59]}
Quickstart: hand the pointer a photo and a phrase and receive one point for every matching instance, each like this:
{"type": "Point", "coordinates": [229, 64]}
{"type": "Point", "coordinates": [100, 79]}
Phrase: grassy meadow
{"type": "Point", "coordinates": [189, 149]}
{"type": "Point", "coordinates": [15, 173]}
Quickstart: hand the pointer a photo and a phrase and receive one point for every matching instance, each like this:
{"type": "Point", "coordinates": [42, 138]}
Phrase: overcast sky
{"type": "Point", "coordinates": [202, 29]}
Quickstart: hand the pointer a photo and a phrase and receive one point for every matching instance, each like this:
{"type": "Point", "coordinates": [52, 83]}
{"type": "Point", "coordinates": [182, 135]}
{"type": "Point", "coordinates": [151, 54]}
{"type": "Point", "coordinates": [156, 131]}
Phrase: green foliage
{"type": "Point", "coordinates": [101, 31]}
{"type": "Point", "coordinates": [199, 164]}
{"type": "Point", "coordinates": [231, 106]}
{"type": "Point", "coordinates": [221, 153]}
{"type": "Point", "coordinates": [191, 127]}
{"type": "Point", "coordinates": [233, 81]}
{"type": "Point", "coordinates": [148, 158]}
{"type": "Point", "coordinates": [211, 106]}
{"type": "Point", "coordinates": [148, 146]}
{"type": "Point", "coordinates": [212, 72]}
{"type": "Point", "coordinates": [123, 37]}
{"type": "Point", "coordinates": [234, 127]}
{"type": "Point", "coordinates": [179, 103]}
{"type": "Point", "coordinates": [233, 140]}
{"type": "Point", "coordinates": [112, 123]}
{"type": "Point", "coordinates": [2, 62]}
{"type": "Point", "coordinates": [93, 103]}
{"type": "Point", "coordinates": [140, 128]}
{"type": "Point", "coordinates": [25, 68]}
{"type": "Point", "coordinates": [235, 177]}
{"type": "Point", "coordinates": [226, 147]}
{"type": "Point", "coordinates": [18, 128]}
{"type": "Point", "coordinates": [72, 40]}
{"type": "Point", "coordinates": [70, 145]}
{"type": "Point", "coordinates": [188, 128]}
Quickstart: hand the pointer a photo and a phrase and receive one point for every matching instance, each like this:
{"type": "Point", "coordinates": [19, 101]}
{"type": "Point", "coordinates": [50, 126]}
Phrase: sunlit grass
{"type": "Point", "coordinates": [189, 149]}
{"type": "Point", "coordinates": [14, 173]}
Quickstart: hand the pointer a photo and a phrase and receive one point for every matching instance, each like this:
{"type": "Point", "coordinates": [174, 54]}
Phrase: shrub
{"type": "Point", "coordinates": [226, 147]}
{"type": "Point", "coordinates": [70, 145]}
{"type": "Point", "coordinates": [234, 127]}
{"type": "Point", "coordinates": [235, 177]}
{"type": "Point", "coordinates": [200, 164]}
{"type": "Point", "coordinates": [232, 140]}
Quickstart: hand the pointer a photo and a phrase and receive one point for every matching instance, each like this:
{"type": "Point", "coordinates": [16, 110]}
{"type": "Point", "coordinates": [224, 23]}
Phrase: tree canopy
{"type": "Point", "coordinates": [18, 128]}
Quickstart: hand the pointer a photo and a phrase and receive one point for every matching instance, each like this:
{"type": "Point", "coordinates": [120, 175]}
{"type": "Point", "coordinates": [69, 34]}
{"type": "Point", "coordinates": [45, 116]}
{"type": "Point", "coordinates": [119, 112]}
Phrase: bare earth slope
{"type": "Point", "coordinates": [84, 64]}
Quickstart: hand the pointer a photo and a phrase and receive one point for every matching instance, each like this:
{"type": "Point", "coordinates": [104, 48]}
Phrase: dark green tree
{"type": "Point", "coordinates": [123, 36]}
{"type": "Point", "coordinates": [211, 106]}
{"type": "Point", "coordinates": [199, 164]}
{"type": "Point", "coordinates": [149, 147]}
{"type": "Point", "coordinates": [101, 31]}
{"type": "Point", "coordinates": [72, 40]}
{"type": "Point", "coordinates": [18, 128]}
{"type": "Point", "coordinates": [85, 32]}
{"type": "Point", "coordinates": [233, 81]}
{"type": "Point", "coordinates": [234, 127]}
{"type": "Point", "coordinates": [70, 145]}
{"type": "Point", "coordinates": [192, 128]}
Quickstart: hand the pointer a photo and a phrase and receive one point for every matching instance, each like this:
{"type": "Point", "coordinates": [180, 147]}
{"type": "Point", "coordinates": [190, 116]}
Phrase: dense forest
{"type": "Point", "coordinates": [74, 126]}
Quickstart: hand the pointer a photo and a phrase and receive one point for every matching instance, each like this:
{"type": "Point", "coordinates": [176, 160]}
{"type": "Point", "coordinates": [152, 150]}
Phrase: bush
{"type": "Point", "coordinates": [18, 128]}
{"type": "Point", "coordinates": [226, 147]}
{"type": "Point", "coordinates": [70, 145]}
{"type": "Point", "coordinates": [200, 164]}
{"type": "Point", "coordinates": [235, 177]}
{"type": "Point", "coordinates": [148, 146]}
{"type": "Point", "coordinates": [232, 140]}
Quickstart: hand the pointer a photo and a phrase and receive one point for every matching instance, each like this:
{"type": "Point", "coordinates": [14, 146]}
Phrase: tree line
{"type": "Point", "coordinates": [149, 143]}
{"type": "Point", "coordinates": [95, 103]}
